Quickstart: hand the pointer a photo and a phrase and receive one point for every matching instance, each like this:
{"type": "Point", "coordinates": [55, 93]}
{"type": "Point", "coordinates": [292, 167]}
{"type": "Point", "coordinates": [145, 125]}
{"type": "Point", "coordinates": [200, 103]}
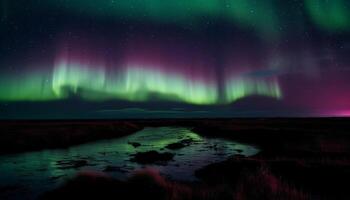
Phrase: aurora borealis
{"type": "Point", "coordinates": [75, 58]}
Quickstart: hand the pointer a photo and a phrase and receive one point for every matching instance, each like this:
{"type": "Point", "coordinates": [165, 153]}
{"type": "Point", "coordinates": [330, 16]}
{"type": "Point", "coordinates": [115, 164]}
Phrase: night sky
{"type": "Point", "coordinates": [79, 59]}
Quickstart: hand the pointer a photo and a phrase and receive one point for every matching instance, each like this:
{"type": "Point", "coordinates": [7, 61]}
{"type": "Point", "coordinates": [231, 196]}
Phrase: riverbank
{"type": "Point", "coordinates": [270, 134]}
{"type": "Point", "coordinates": [24, 136]}
{"type": "Point", "coordinates": [299, 158]}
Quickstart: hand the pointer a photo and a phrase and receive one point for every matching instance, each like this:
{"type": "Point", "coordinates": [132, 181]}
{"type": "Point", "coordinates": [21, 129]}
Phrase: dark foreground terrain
{"type": "Point", "coordinates": [298, 159]}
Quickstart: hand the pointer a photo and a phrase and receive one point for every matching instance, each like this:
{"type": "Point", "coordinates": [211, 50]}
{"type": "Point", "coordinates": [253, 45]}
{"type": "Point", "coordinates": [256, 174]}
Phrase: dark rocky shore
{"type": "Point", "coordinates": [299, 159]}
{"type": "Point", "coordinates": [23, 136]}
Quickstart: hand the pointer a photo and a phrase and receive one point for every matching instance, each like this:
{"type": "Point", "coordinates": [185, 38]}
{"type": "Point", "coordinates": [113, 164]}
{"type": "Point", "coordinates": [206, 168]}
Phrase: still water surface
{"type": "Point", "coordinates": [29, 174]}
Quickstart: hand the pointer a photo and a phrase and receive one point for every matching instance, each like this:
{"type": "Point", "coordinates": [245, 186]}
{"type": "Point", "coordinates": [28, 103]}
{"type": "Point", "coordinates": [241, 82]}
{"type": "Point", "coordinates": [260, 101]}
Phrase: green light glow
{"type": "Point", "coordinates": [258, 15]}
{"type": "Point", "coordinates": [35, 86]}
{"type": "Point", "coordinates": [331, 15]}
{"type": "Point", "coordinates": [132, 84]}
{"type": "Point", "coordinates": [118, 152]}
{"type": "Point", "coordinates": [240, 87]}
{"type": "Point", "coordinates": [264, 17]}
{"type": "Point", "coordinates": [69, 78]}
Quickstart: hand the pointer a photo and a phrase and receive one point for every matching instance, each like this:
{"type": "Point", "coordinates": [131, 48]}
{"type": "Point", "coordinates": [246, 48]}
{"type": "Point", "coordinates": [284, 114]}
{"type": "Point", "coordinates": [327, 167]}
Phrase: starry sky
{"type": "Point", "coordinates": [88, 59]}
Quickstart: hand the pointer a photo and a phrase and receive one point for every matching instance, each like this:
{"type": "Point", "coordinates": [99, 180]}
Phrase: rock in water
{"type": "Point", "coordinates": [150, 157]}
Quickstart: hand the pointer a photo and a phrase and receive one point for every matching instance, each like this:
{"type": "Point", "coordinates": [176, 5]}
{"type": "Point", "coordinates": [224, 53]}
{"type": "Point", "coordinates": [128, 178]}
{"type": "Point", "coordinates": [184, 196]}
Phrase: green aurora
{"type": "Point", "coordinates": [267, 17]}
{"type": "Point", "coordinates": [119, 53]}
{"type": "Point", "coordinates": [133, 84]}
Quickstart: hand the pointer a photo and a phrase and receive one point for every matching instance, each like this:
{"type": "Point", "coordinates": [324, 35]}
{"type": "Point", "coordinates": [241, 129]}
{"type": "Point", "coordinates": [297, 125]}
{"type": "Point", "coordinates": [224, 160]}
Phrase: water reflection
{"type": "Point", "coordinates": [34, 172]}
